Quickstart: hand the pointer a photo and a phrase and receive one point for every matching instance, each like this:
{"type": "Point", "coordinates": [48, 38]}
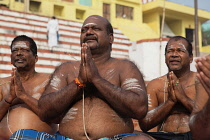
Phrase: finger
{"type": "Point", "coordinates": [17, 81]}
{"type": "Point", "coordinates": [13, 70]}
{"type": "Point", "coordinates": [86, 61]}
{"type": "Point", "coordinates": [197, 60]}
{"type": "Point", "coordinates": [172, 80]}
{"type": "Point", "coordinates": [12, 84]}
{"type": "Point", "coordinates": [204, 67]}
{"type": "Point", "coordinates": [89, 57]}
{"type": "Point", "coordinates": [204, 78]}
{"type": "Point", "coordinates": [82, 54]}
{"type": "Point", "coordinates": [198, 68]}
{"type": "Point", "coordinates": [169, 76]}
{"type": "Point", "coordinates": [204, 84]}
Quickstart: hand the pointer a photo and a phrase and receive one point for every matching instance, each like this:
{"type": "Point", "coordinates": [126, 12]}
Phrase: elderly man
{"type": "Point", "coordinates": [199, 121]}
{"type": "Point", "coordinates": [14, 112]}
{"type": "Point", "coordinates": [97, 96]}
{"type": "Point", "coordinates": [172, 96]}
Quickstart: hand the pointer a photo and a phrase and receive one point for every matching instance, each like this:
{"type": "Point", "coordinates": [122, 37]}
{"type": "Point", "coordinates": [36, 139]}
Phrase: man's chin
{"type": "Point", "coordinates": [93, 46]}
{"type": "Point", "coordinates": [175, 69]}
{"type": "Point", "coordinates": [20, 66]}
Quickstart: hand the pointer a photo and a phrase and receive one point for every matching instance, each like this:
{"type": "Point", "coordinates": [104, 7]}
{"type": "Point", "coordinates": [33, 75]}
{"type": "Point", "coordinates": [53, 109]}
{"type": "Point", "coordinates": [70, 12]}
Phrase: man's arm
{"type": "Point", "coordinates": [199, 120]}
{"type": "Point", "coordinates": [157, 113]}
{"type": "Point", "coordinates": [6, 101]}
{"type": "Point", "coordinates": [23, 95]}
{"type": "Point", "coordinates": [54, 100]}
{"type": "Point", "coordinates": [59, 94]}
{"type": "Point", "coordinates": [129, 99]}
{"type": "Point", "coordinates": [200, 123]}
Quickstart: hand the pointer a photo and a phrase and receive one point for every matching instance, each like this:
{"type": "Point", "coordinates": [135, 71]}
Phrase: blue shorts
{"type": "Point", "coordinates": [170, 135]}
{"type": "Point", "coordinates": [29, 134]}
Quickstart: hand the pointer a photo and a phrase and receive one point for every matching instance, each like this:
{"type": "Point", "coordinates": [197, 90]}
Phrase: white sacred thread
{"type": "Point", "coordinates": [8, 122]}
{"type": "Point", "coordinates": [83, 114]}
{"type": "Point", "coordinates": [164, 92]}
{"type": "Point", "coordinates": [5, 83]}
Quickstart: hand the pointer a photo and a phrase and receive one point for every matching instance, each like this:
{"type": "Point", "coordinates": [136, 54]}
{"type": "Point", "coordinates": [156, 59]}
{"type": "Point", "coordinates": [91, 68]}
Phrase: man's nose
{"type": "Point", "coordinates": [90, 31]}
{"type": "Point", "coordinates": [175, 53]}
{"type": "Point", "coordinates": [19, 52]}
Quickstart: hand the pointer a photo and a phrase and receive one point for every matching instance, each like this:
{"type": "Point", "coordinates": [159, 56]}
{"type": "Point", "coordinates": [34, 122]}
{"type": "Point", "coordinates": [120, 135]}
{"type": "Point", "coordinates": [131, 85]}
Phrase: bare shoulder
{"type": "Point", "coordinates": [124, 64]}
{"type": "Point", "coordinates": [43, 75]}
{"type": "Point", "coordinates": [67, 65]}
{"type": "Point", "coordinates": [157, 82]}
{"type": "Point", "coordinates": [123, 61]}
{"type": "Point", "coordinates": [4, 86]}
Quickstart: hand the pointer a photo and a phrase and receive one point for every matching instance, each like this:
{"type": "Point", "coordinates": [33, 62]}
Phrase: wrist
{"type": "Point", "coordinates": [96, 79]}
{"type": "Point", "coordinates": [78, 83]}
{"type": "Point", "coordinates": [9, 99]}
{"type": "Point", "coordinates": [22, 96]}
{"type": "Point", "coordinates": [7, 102]}
{"type": "Point", "coordinates": [171, 102]}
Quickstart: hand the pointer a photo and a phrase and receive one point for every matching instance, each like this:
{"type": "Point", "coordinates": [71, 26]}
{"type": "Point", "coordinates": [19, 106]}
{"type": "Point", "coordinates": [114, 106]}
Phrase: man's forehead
{"type": "Point", "coordinates": [89, 24]}
{"type": "Point", "coordinates": [176, 44]}
{"type": "Point", "coordinates": [22, 44]}
{"type": "Point", "coordinates": [93, 20]}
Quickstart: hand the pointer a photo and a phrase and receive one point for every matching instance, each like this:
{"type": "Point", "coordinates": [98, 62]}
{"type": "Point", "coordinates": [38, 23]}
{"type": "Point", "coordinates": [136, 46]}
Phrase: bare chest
{"type": "Point", "coordinates": [95, 117]}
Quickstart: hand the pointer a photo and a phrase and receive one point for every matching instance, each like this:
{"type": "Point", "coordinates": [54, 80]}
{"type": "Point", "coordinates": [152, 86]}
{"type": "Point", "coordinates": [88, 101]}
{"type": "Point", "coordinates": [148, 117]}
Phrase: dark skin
{"type": "Point", "coordinates": [119, 92]}
{"type": "Point", "coordinates": [24, 84]}
{"type": "Point", "coordinates": [199, 121]}
{"type": "Point", "coordinates": [172, 96]}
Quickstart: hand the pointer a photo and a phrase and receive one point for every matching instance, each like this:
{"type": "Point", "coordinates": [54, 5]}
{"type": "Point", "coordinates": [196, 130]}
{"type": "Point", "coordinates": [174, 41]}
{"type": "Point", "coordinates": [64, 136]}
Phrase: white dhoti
{"type": "Point", "coordinates": [53, 28]}
{"type": "Point", "coordinates": [52, 39]}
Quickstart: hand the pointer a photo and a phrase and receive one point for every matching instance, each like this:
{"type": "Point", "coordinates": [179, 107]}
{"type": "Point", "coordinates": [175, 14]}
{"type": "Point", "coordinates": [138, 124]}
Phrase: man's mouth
{"type": "Point", "coordinates": [89, 39]}
{"type": "Point", "coordinates": [19, 60]}
{"type": "Point", "coordinates": [174, 61]}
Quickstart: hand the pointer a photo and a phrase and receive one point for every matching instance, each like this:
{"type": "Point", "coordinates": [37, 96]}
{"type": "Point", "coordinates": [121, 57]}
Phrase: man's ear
{"type": "Point", "coordinates": [191, 58]}
{"type": "Point", "coordinates": [36, 58]}
{"type": "Point", "coordinates": [111, 37]}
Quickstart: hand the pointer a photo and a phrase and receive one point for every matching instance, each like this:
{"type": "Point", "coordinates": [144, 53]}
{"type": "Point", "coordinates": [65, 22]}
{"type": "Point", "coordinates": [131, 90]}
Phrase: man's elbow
{"type": "Point", "coordinates": [43, 116]}
{"type": "Point", "coordinates": [199, 128]}
{"type": "Point", "coordinates": [141, 112]}
{"type": "Point", "coordinates": [143, 125]}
